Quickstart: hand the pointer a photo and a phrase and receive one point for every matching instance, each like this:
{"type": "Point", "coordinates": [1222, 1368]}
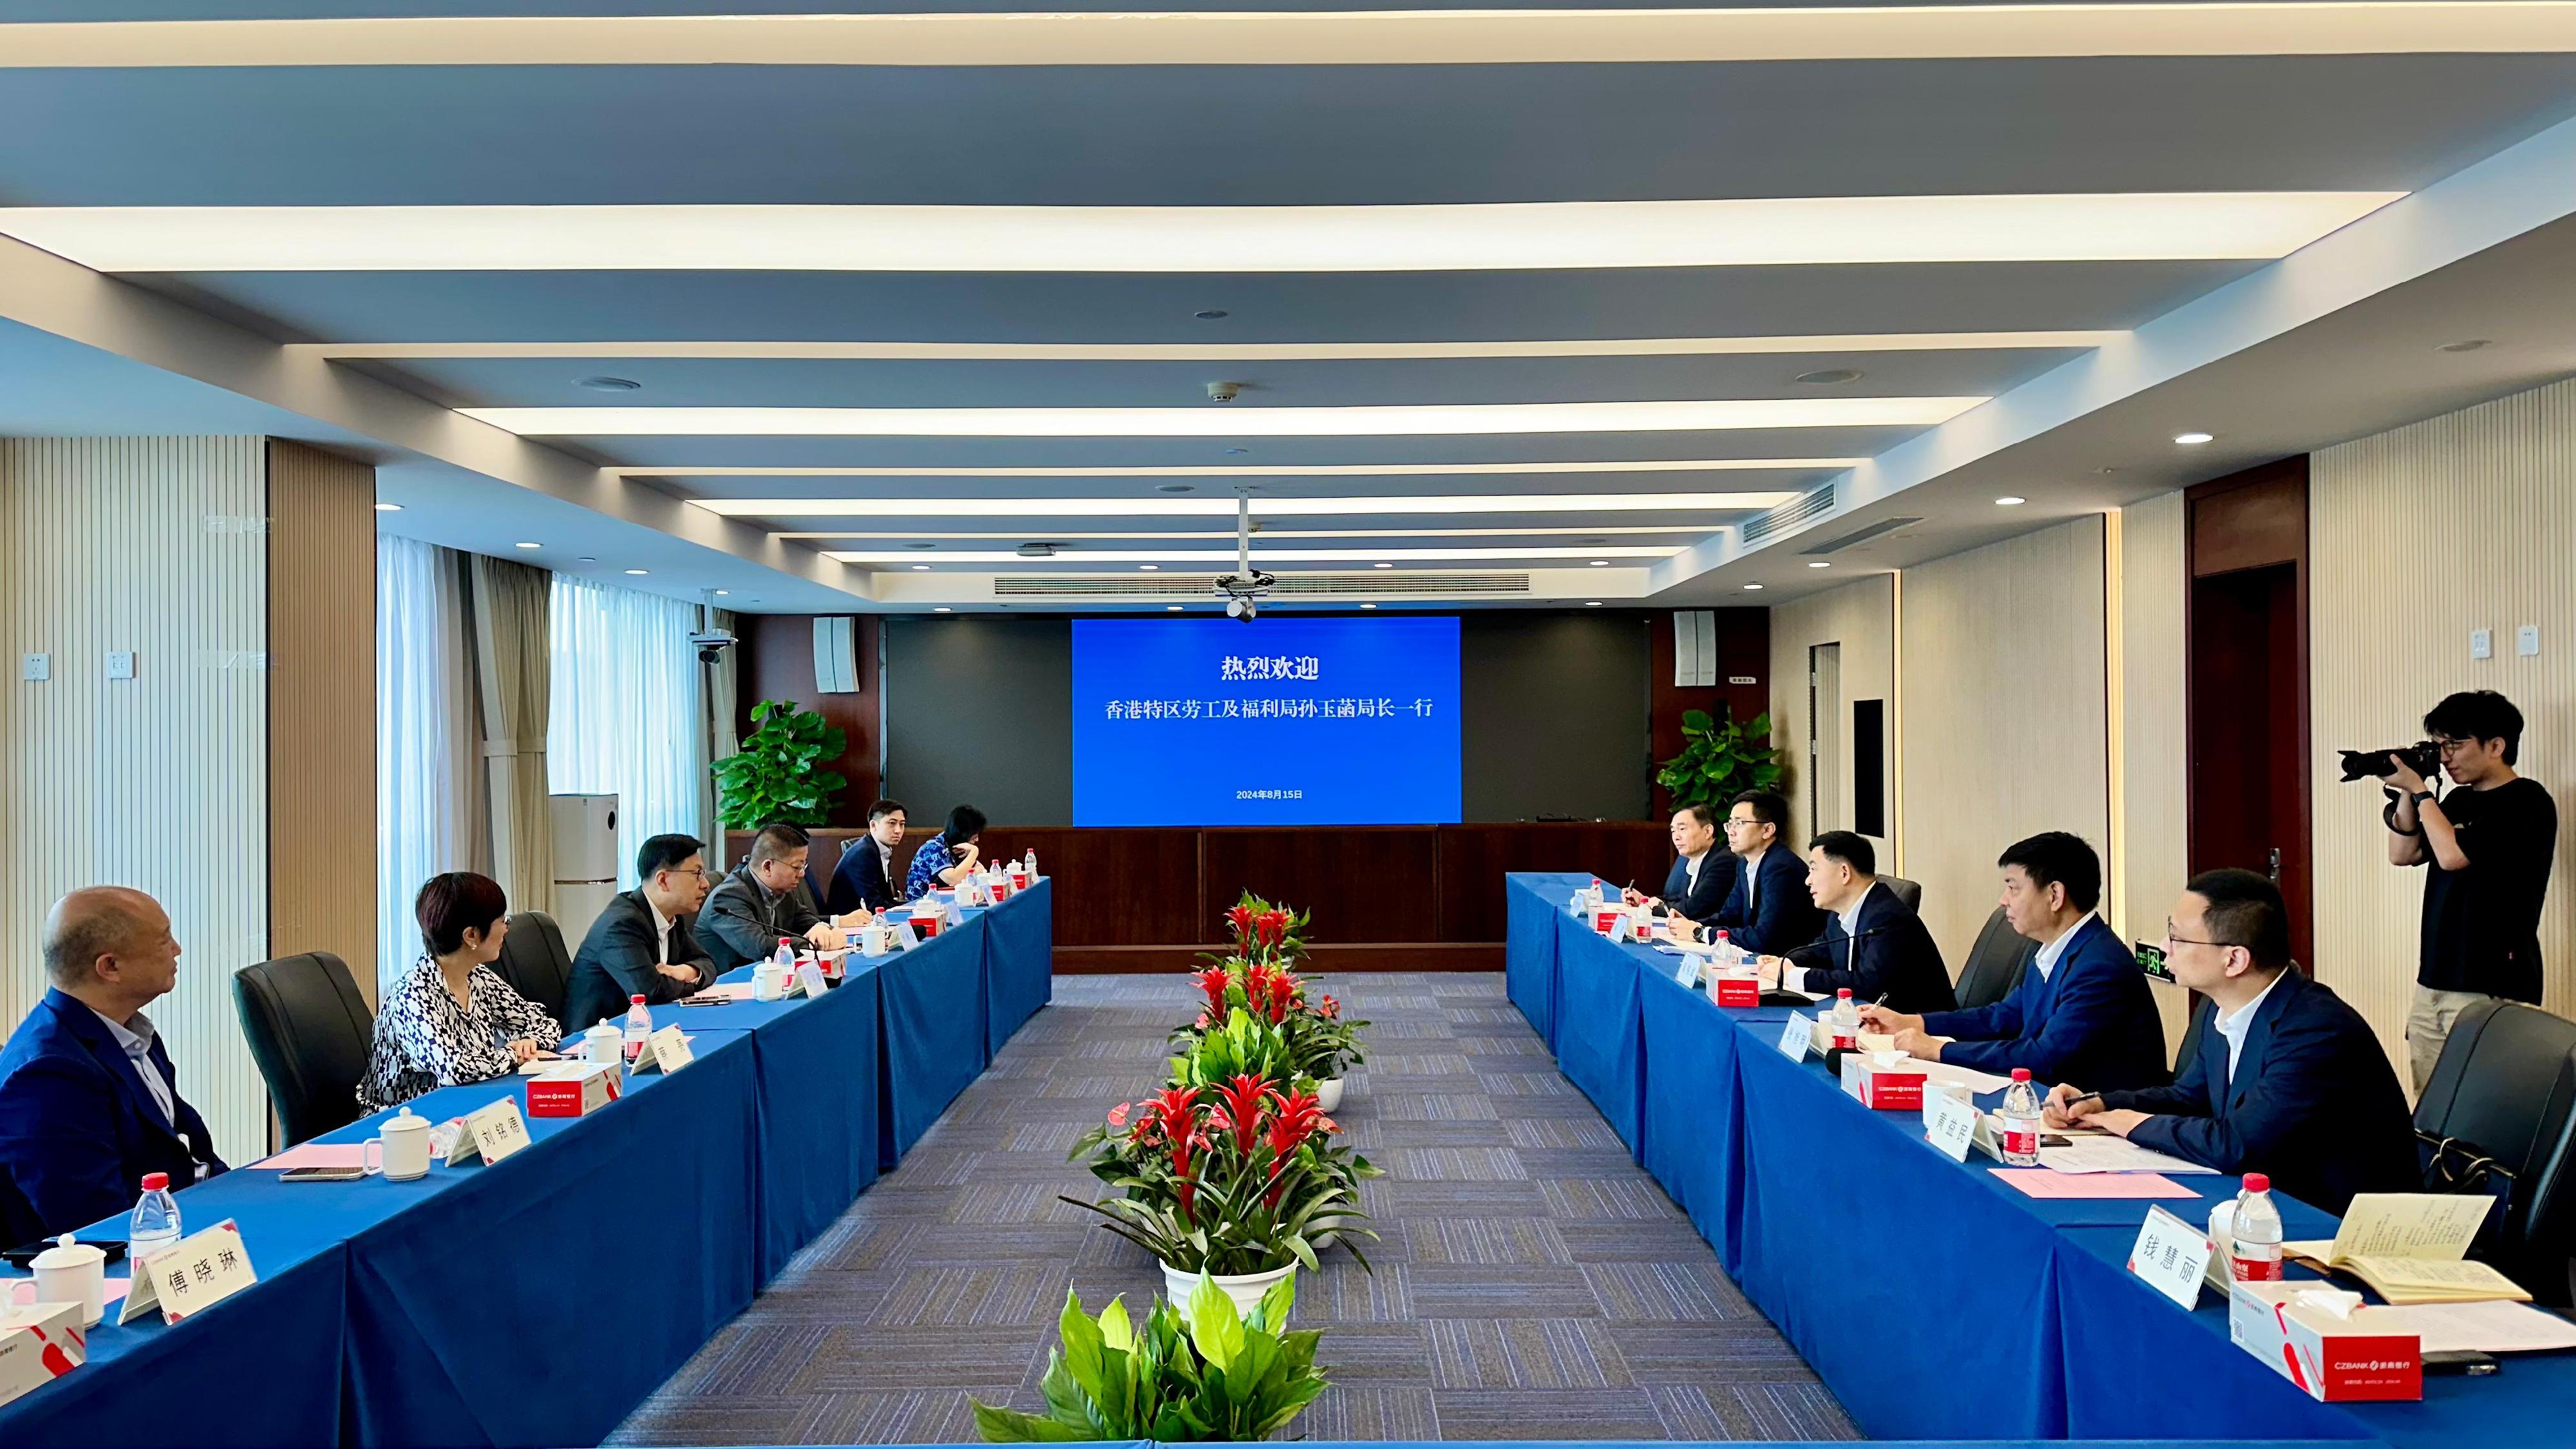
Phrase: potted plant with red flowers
{"type": "Point", "coordinates": [1264, 932]}
{"type": "Point", "coordinates": [1323, 1044]}
{"type": "Point", "coordinates": [1235, 1181]}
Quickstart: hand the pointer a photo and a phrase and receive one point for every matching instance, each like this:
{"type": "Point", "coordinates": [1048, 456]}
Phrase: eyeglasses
{"type": "Point", "coordinates": [1746, 822]}
{"type": "Point", "coordinates": [2173, 940]}
{"type": "Point", "coordinates": [699, 871]}
{"type": "Point", "coordinates": [2448, 748]}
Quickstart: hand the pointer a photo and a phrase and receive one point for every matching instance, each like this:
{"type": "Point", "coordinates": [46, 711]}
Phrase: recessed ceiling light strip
{"type": "Point", "coordinates": [1282, 470]}
{"type": "Point", "coordinates": [1428, 420]}
{"type": "Point", "coordinates": [1221, 351]}
{"type": "Point", "coordinates": [1509, 236]}
{"type": "Point", "coordinates": [1592, 530]}
{"type": "Point", "coordinates": [1410, 505]}
{"type": "Point", "coordinates": [1088, 557]}
{"type": "Point", "coordinates": [1417, 37]}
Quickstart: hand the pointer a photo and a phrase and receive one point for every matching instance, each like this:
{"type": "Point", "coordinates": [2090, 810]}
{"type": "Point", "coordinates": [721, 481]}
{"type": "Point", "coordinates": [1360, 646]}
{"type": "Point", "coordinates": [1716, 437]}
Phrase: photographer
{"type": "Point", "coordinates": [2489, 843]}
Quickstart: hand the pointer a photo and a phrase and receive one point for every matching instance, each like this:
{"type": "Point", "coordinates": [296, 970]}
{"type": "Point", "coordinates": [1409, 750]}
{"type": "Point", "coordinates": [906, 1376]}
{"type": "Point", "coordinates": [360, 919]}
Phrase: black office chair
{"type": "Point", "coordinates": [2502, 1100]}
{"type": "Point", "coordinates": [534, 962]}
{"type": "Point", "coordinates": [1910, 892]}
{"type": "Point", "coordinates": [310, 1032]}
{"type": "Point", "coordinates": [1995, 963]}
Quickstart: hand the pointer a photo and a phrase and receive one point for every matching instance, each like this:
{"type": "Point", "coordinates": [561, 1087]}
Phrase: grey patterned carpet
{"type": "Point", "coordinates": [1531, 1283]}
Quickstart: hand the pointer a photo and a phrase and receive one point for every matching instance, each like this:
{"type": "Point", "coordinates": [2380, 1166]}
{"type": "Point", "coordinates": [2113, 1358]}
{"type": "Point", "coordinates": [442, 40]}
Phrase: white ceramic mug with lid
{"type": "Point", "coordinates": [400, 1148]}
{"type": "Point", "coordinates": [72, 1271]}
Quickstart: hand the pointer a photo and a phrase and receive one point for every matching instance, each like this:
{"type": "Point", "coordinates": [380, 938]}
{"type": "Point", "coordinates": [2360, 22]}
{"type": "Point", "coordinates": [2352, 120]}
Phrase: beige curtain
{"type": "Point", "coordinates": [723, 736]}
{"type": "Point", "coordinates": [511, 665]}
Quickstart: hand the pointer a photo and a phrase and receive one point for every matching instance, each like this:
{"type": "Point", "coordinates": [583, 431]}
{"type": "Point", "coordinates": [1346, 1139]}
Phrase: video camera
{"type": "Point", "coordinates": [2423, 757]}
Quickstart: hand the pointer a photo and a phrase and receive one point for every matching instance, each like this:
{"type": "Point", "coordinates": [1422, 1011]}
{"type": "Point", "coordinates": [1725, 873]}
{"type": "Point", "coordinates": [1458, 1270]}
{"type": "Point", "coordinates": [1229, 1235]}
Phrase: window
{"type": "Point", "coordinates": [428, 783]}
{"type": "Point", "coordinates": [625, 712]}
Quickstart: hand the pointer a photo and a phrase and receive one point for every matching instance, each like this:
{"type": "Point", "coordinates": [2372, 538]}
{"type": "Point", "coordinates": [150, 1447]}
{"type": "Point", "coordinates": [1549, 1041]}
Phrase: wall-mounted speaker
{"type": "Point", "coordinates": [836, 656]}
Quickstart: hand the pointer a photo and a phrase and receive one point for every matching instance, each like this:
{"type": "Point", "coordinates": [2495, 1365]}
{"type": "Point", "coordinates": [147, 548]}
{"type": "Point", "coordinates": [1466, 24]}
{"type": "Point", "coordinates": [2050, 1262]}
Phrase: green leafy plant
{"type": "Point", "coordinates": [1245, 1045]}
{"type": "Point", "coordinates": [1205, 1374]}
{"type": "Point", "coordinates": [779, 774]}
{"type": "Point", "coordinates": [1720, 760]}
{"type": "Point", "coordinates": [1235, 1179]}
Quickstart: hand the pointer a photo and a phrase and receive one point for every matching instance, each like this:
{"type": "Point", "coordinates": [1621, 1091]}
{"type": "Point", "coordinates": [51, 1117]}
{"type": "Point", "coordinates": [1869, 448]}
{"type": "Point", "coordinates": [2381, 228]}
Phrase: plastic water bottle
{"type": "Point", "coordinates": [639, 1029]}
{"type": "Point", "coordinates": [2018, 1135]}
{"type": "Point", "coordinates": [2256, 1255]}
{"type": "Point", "coordinates": [1031, 862]}
{"type": "Point", "coordinates": [155, 1224]}
{"type": "Point", "coordinates": [1845, 1020]}
{"type": "Point", "coordinates": [784, 958]}
{"type": "Point", "coordinates": [1726, 954]}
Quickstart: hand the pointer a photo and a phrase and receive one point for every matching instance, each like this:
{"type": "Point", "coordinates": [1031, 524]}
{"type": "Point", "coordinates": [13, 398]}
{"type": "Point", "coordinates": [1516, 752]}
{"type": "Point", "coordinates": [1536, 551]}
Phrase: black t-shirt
{"type": "Point", "coordinates": [2482, 922]}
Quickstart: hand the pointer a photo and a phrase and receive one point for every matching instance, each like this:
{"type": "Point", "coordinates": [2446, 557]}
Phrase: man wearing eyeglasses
{"type": "Point", "coordinates": [642, 944]}
{"type": "Point", "coordinates": [2488, 845]}
{"type": "Point", "coordinates": [1767, 910]}
{"type": "Point", "coordinates": [2288, 1080]}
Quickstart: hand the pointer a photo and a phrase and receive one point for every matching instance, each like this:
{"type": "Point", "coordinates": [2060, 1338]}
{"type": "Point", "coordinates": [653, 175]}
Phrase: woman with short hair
{"type": "Point", "coordinates": [452, 1019]}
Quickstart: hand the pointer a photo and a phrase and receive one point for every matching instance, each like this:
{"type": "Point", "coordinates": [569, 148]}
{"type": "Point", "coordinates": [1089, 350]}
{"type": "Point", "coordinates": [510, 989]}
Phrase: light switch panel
{"type": "Point", "coordinates": [120, 666]}
{"type": "Point", "coordinates": [2526, 640]}
{"type": "Point", "coordinates": [2481, 644]}
{"type": "Point", "coordinates": [35, 667]}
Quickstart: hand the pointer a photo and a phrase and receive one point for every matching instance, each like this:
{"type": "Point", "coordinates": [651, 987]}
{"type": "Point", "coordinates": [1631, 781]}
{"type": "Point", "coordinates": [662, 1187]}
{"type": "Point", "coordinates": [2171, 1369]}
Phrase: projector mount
{"type": "Point", "coordinates": [1245, 588]}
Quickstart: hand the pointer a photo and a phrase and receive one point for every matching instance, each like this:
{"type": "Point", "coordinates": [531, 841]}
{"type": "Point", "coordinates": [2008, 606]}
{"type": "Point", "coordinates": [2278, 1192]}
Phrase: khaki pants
{"type": "Point", "coordinates": [2429, 1025]}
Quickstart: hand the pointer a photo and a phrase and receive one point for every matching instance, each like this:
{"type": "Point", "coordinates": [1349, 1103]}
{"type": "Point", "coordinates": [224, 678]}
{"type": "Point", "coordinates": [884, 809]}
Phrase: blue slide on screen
{"type": "Point", "coordinates": [1271, 722]}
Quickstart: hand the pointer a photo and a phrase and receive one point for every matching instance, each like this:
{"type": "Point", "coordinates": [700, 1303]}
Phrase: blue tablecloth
{"type": "Point", "coordinates": [1932, 1298]}
{"type": "Point", "coordinates": [1019, 963]}
{"type": "Point", "coordinates": [536, 1301]}
{"type": "Point", "coordinates": [1530, 910]}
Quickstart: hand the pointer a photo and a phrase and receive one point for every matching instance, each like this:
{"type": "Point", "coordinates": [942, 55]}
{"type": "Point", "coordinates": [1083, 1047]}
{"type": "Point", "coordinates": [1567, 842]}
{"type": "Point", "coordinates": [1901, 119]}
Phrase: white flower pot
{"type": "Point", "coordinates": [1244, 1288]}
{"type": "Point", "coordinates": [1328, 1095]}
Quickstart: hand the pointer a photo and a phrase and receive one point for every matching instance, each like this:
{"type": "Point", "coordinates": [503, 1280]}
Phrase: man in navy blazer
{"type": "Point", "coordinates": [1697, 885]}
{"type": "Point", "coordinates": [2288, 1080]}
{"type": "Point", "coordinates": [89, 1102]}
{"type": "Point", "coordinates": [865, 880]}
{"type": "Point", "coordinates": [2082, 1013]}
{"type": "Point", "coordinates": [1767, 910]}
{"type": "Point", "coordinates": [1874, 945]}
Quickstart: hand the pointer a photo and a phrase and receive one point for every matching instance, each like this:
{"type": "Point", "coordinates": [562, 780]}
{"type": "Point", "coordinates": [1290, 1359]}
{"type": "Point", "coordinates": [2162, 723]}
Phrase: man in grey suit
{"type": "Point", "coordinates": [642, 944]}
{"type": "Point", "coordinates": [766, 900]}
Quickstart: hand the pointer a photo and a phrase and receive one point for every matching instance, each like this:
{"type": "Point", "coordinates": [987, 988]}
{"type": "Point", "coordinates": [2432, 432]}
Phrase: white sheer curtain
{"type": "Point", "coordinates": [427, 795]}
{"type": "Point", "coordinates": [627, 719]}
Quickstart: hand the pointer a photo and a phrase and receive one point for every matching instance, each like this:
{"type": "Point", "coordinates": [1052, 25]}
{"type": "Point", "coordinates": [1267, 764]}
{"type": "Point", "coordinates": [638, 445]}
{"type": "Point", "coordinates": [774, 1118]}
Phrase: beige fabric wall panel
{"type": "Point", "coordinates": [158, 547]}
{"type": "Point", "coordinates": [2154, 843]}
{"type": "Point", "coordinates": [322, 707]}
{"type": "Point", "coordinates": [1861, 618]}
{"type": "Point", "coordinates": [2005, 716]}
{"type": "Point", "coordinates": [2416, 537]}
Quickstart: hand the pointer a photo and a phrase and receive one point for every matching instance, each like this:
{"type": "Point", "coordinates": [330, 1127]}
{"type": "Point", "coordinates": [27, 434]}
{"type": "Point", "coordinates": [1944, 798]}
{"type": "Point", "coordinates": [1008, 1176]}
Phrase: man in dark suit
{"type": "Point", "coordinates": [1697, 885]}
{"type": "Point", "coordinates": [865, 879]}
{"type": "Point", "coordinates": [1767, 909]}
{"type": "Point", "coordinates": [2288, 1080]}
{"type": "Point", "coordinates": [89, 1102]}
{"type": "Point", "coordinates": [1874, 945]}
{"type": "Point", "coordinates": [2082, 1012]}
{"type": "Point", "coordinates": [767, 899]}
{"type": "Point", "coordinates": [643, 944]}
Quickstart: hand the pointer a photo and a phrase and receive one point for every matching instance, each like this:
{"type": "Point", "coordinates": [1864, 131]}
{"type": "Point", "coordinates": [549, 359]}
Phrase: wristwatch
{"type": "Point", "coordinates": [2422, 798]}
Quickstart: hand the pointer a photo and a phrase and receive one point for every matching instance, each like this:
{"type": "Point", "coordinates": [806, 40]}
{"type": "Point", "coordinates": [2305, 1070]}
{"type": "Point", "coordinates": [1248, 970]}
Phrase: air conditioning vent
{"type": "Point", "coordinates": [1773, 522]}
{"type": "Point", "coordinates": [1879, 529]}
{"type": "Point", "coordinates": [1037, 550]}
{"type": "Point", "coordinates": [1168, 587]}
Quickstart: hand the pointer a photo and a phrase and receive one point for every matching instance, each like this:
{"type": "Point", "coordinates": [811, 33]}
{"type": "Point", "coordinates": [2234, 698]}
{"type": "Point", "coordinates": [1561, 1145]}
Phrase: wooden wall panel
{"type": "Point", "coordinates": [1361, 883]}
{"type": "Point", "coordinates": [777, 662]}
{"type": "Point", "coordinates": [1117, 887]}
{"type": "Point", "coordinates": [2005, 728]}
{"type": "Point", "coordinates": [322, 707]}
{"type": "Point", "coordinates": [1474, 859]}
{"type": "Point", "coordinates": [2416, 537]}
{"type": "Point", "coordinates": [156, 546]}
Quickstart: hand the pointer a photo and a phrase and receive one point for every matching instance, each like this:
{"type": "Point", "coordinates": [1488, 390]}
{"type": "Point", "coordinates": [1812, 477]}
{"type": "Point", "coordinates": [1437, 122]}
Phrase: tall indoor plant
{"type": "Point", "coordinates": [780, 774]}
{"type": "Point", "coordinates": [1720, 759]}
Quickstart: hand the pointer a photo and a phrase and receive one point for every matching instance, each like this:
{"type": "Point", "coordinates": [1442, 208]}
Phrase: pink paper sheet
{"type": "Point", "coordinates": [2042, 1182]}
{"type": "Point", "coordinates": [727, 991]}
{"type": "Point", "coordinates": [23, 1291]}
{"type": "Point", "coordinates": [317, 1154]}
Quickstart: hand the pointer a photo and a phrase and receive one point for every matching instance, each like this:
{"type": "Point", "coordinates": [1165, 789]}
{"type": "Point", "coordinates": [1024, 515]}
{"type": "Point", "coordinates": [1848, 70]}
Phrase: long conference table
{"type": "Point", "coordinates": [1934, 1300]}
{"type": "Point", "coordinates": [538, 1300]}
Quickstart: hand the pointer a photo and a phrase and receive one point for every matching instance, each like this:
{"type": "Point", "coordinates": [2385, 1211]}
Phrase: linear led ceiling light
{"type": "Point", "coordinates": [1273, 38]}
{"type": "Point", "coordinates": [1218, 555]}
{"type": "Point", "coordinates": [1443, 419]}
{"type": "Point", "coordinates": [803, 351]}
{"type": "Point", "coordinates": [1796, 231]}
{"type": "Point", "coordinates": [1280, 470]}
{"type": "Point", "coordinates": [1414, 504]}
